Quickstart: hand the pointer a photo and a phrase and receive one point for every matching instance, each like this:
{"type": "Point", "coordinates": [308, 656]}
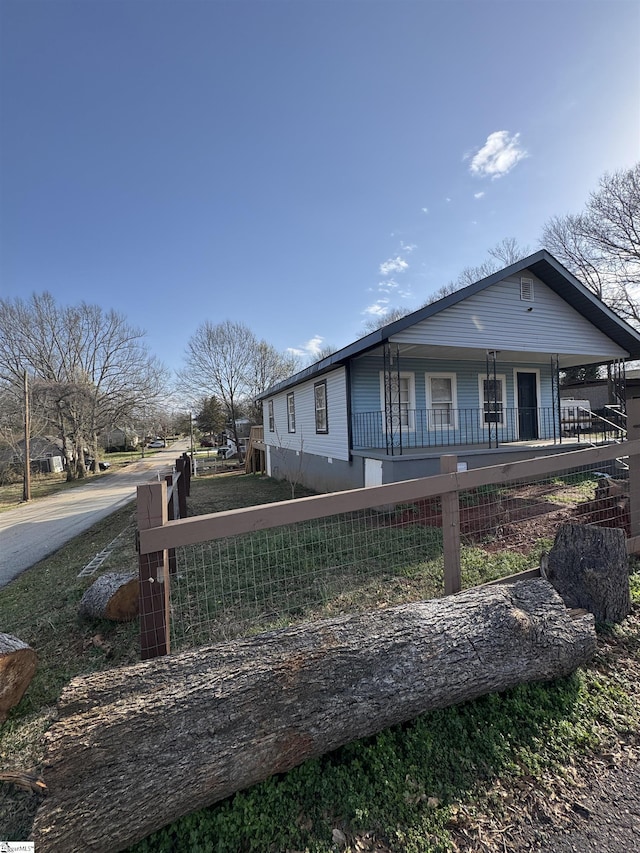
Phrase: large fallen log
{"type": "Point", "coordinates": [18, 663]}
{"type": "Point", "coordinates": [137, 747]}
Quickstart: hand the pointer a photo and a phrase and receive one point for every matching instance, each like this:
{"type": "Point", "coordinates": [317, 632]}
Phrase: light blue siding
{"type": "Point", "coordinates": [335, 443]}
{"type": "Point", "coordinates": [367, 397]}
{"type": "Point", "coordinates": [497, 318]}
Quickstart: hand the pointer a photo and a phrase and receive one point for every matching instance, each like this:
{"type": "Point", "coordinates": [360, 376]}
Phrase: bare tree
{"type": "Point", "coordinates": [508, 251]}
{"type": "Point", "coordinates": [389, 316]}
{"type": "Point", "coordinates": [89, 367]}
{"type": "Point", "coordinates": [601, 245]}
{"type": "Point", "coordinates": [266, 368]}
{"type": "Point", "coordinates": [229, 361]}
{"type": "Point", "coordinates": [219, 360]}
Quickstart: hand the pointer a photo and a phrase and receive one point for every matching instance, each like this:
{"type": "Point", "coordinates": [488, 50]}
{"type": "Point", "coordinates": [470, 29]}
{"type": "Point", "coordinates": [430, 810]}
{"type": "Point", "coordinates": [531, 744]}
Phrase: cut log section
{"type": "Point", "coordinates": [18, 663]}
{"type": "Point", "coordinates": [589, 567]}
{"type": "Point", "coordinates": [137, 747]}
{"type": "Point", "coordinates": [112, 596]}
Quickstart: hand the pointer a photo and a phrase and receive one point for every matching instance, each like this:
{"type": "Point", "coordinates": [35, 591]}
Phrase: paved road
{"type": "Point", "coordinates": [35, 530]}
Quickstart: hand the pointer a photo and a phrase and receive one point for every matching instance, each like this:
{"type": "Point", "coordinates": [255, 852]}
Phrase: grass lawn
{"type": "Point", "coordinates": [43, 485]}
{"type": "Point", "coordinates": [418, 787]}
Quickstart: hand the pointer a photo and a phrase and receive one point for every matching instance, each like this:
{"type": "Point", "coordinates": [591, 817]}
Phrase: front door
{"type": "Point", "coordinates": [527, 406]}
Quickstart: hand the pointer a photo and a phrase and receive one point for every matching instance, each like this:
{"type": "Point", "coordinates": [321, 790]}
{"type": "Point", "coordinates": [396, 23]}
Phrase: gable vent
{"type": "Point", "coordinates": [526, 289]}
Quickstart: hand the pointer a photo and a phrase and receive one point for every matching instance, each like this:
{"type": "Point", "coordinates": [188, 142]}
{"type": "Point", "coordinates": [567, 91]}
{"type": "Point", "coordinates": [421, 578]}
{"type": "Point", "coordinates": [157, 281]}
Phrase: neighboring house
{"type": "Point", "coordinates": [475, 373]}
{"type": "Point", "coordinates": [119, 438]}
{"type": "Point", "coordinates": [42, 449]}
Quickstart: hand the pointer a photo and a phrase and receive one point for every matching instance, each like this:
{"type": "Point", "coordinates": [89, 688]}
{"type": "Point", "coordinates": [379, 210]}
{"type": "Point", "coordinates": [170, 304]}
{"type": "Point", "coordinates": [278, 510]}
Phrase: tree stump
{"type": "Point", "coordinates": [589, 567]}
{"type": "Point", "coordinates": [18, 663]}
{"type": "Point", "coordinates": [137, 747]}
{"type": "Point", "coordinates": [112, 596]}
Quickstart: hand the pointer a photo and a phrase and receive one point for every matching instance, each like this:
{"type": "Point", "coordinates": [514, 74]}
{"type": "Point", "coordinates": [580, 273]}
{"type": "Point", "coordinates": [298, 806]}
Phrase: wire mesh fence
{"type": "Point", "coordinates": [247, 583]}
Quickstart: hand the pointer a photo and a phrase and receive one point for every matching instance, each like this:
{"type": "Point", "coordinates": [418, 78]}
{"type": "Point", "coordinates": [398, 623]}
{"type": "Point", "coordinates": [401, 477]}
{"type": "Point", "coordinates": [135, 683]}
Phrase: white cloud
{"type": "Point", "coordinates": [396, 264]}
{"type": "Point", "coordinates": [478, 195]}
{"type": "Point", "coordinates": [378, 309]}
{"type": "Point", "coordinates": [447, 199]}
{"type": "Point", "coordinates": [408, 247]}
{"type": "Point", "coordinates": [387, 286]}
{"type": "Point", "coordinates": [311, 348]}
{"type": "Point", "coordinates": [424, 209]}
{"type": "Point", "coordinates": [498, 155]}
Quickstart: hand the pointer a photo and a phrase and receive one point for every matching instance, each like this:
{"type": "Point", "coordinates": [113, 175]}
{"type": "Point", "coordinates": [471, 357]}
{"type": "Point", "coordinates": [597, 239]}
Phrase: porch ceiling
{"type": "Point", "coordinates": [445, 353]}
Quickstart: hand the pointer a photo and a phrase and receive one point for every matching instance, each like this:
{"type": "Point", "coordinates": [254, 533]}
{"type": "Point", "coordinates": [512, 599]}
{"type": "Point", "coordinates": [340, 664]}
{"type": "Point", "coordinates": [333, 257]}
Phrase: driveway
{"type": "Point", "coordinates": [35, 530]}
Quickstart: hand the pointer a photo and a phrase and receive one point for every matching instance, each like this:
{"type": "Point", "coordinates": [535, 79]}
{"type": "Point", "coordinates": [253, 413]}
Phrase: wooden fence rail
{"type": "Point", "coordinates": [159, 534]}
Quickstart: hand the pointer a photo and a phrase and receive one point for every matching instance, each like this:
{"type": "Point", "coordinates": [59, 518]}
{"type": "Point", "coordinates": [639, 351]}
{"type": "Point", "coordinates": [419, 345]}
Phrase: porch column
{"type": "Point", "coordinates": [490, 414]}
{"type": "Point", "coordinates": [555, 398]}
{"type": "Point", "coordinates": [392, 407]}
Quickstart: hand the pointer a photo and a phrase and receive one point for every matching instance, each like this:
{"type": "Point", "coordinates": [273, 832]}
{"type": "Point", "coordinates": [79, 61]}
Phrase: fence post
{"type": "Point", "coordinates": [633, 432]}
{"type": "Point", "coordinates": [173, 513]}
{"type": "Point", "coordinates": [182, 488]}
{"type": "Point", "coordinates": [451, 529]}
{"type": "Point", "coordinates": [187, 472]}
{"type": "Point", "coordinates": [153, 575]}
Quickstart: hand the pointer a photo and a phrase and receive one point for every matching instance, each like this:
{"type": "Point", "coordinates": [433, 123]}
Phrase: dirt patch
{"type": "Point", "coordinates": [517, 518]}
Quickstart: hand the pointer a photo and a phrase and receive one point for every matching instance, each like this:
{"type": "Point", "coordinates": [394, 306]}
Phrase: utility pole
{"type": "Point", "coordinates": [26, 487]}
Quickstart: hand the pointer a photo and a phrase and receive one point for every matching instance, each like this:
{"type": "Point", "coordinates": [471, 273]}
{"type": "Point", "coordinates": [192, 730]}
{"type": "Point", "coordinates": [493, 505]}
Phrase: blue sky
{"type": "Point", "coordinates": [296, 166]}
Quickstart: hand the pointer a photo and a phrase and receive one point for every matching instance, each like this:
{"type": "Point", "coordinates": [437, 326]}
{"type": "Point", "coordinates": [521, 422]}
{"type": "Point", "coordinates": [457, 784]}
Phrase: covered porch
{"type": "Point", "coordinates": [509, 398]}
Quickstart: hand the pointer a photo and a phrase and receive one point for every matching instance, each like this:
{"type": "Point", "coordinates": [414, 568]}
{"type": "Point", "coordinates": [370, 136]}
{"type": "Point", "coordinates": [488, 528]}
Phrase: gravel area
{"type": "Point", "coordinates": [604, 817]}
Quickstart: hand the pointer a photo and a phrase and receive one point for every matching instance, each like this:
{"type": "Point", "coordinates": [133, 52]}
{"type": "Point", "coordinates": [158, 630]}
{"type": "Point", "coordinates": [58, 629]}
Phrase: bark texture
{"type": "Point", "coordinates": [112, 596]}
{"type": "Point", "coordinates": [137, 747]}
{"type": "Point", "coordinates": [18, 663]}
{"type": "Point", "coordinates": [589, 567]}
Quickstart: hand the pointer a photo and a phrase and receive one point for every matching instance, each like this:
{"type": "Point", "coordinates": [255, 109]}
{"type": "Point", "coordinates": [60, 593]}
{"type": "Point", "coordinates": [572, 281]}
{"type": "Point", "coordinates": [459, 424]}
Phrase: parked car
{"type": "Point", "coordinates": [91, 465]}
{"type": "Point", "coordinates": [207, 442]}
{"type": "Point", "coordinates": [157, 442]}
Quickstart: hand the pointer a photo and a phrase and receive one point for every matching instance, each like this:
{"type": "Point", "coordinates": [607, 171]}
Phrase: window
{"type": "Point", "coordinates": [320, 401]}
{"type": "Point", "coordinates": [272, 421]}
{"type": "Point", "coordinates": [442, 400]}
{"type": "Point", "coordinates": [526, 289]}
{"type": "Point", "coordinates": [492, 399]}
{"type": "Point", "coordinates": [291, 413]}
{"type": "Point", "coordinates": [402, 397]}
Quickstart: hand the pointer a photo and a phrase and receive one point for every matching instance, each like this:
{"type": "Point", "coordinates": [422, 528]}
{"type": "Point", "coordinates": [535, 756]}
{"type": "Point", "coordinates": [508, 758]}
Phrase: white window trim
{"type": "Point", "coordinates": [321, 384]}
{"type": "Point", "coordinates": [291, 413]}
{"type": "Point", "coordinates": [271, 418]}
{"type": "Point", "coordinates": [454, 399]}
{"type": "Point", "coordinates": [500, 377]}
{"type": "Point", "coordinates": [411, 425]}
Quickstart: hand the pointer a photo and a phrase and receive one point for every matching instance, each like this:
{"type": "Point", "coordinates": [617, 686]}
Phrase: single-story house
{"type": "Point", "coordinates": [119, 438]}
{"type": "Point", "coordinates": [42, 449]}
{"type": "Point", "coordinates": [476, 373]}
